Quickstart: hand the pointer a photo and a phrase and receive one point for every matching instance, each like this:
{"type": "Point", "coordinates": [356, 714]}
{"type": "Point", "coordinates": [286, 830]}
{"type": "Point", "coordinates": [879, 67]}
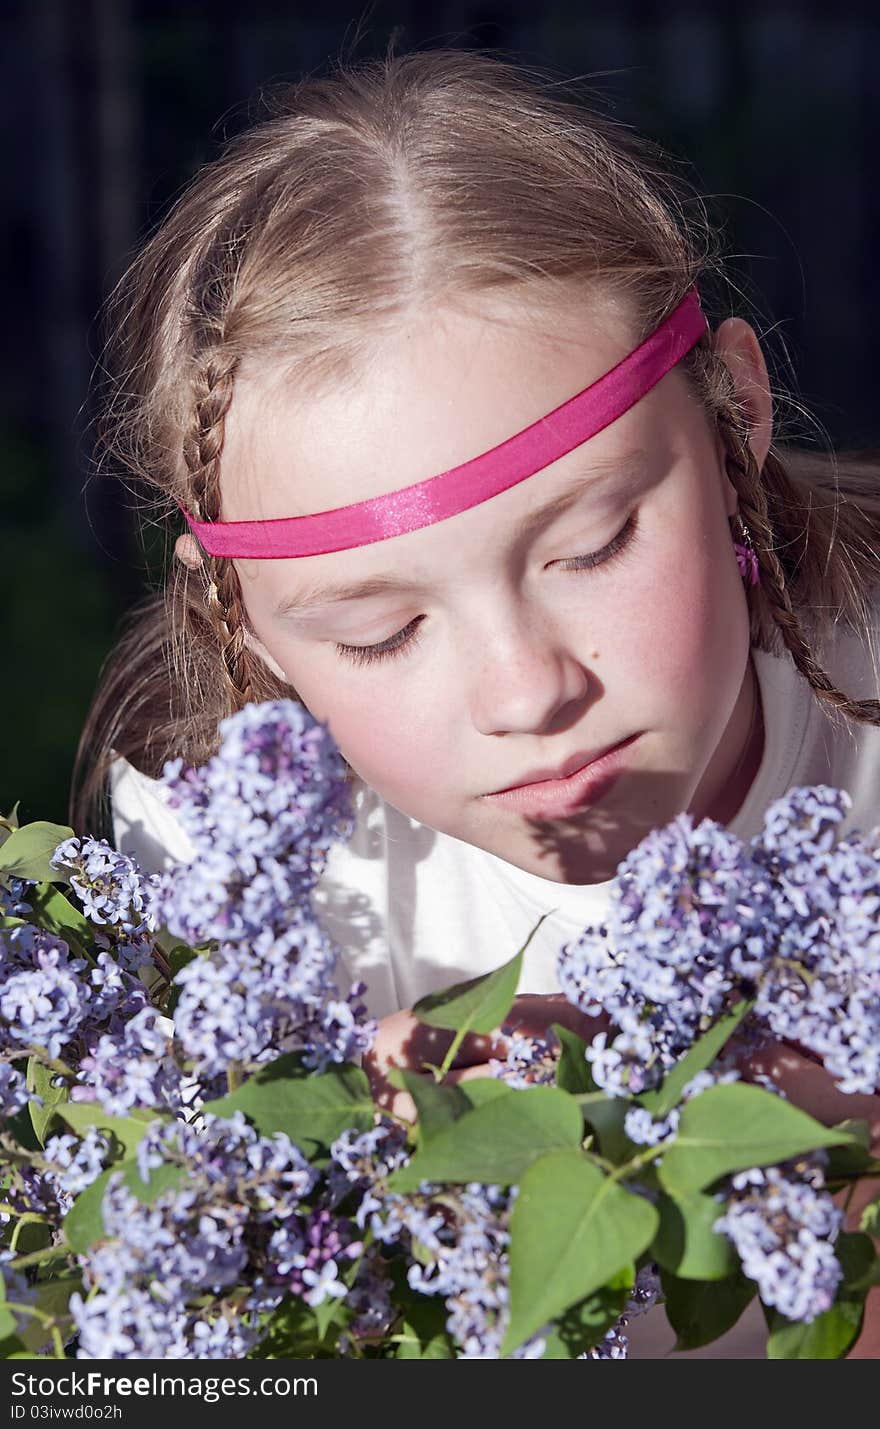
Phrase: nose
{"type": "Point", "coordinates": [524, 677]}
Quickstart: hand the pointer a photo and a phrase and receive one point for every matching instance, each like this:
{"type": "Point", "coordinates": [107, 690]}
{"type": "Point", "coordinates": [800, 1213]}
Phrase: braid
{"type": "Point", "coordinates": [222, 592]}
{"type": "Point", "coordinates": [755, 511]}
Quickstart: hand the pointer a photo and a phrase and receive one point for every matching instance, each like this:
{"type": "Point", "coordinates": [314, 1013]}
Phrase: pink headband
{"type": "Point", "coordinates": [485, 476]}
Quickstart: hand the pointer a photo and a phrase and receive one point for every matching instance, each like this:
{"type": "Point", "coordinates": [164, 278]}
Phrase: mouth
{"type": "Point", "coordinates": [582, 780]}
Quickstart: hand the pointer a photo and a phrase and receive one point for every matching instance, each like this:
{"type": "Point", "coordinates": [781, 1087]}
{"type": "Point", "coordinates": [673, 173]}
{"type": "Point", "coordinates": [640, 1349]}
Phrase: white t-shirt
{"type": "Point", "coordinates": [413, 910]}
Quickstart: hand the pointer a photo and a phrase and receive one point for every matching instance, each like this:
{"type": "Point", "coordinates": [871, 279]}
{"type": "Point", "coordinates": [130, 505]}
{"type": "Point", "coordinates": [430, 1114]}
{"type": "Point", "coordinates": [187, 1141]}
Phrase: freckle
{"type": "Point", "coordinates": [595, 655]}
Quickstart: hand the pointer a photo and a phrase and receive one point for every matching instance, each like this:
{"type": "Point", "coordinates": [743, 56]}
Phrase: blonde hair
{"type": "Point", "coordinates": [412, 180]}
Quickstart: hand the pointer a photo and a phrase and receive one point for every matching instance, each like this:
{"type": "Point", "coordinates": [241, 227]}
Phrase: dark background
{"type": "Point", "coordinates": [110, 106]}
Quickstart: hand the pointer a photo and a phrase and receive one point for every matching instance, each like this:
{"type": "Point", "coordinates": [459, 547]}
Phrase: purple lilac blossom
{"type": "Point", "coordinates": [822, 988]}
{"type": "Point", "coordinates": [698, 920]}
{"type": "Point", "coordinates": [529, 1061]}
{"type": "Point", "coordinates": [133, 1067]}
{"type": "Point", "coordinates": [43, 1000]}
{"type": "Point", "coordinates": [783, 1224]}
{"type": "Point", "coordinates": [71, 1163]}
{"type": "Point", "coordinates": [458, 1239]}
{"type": "Point", "coordinates": [237, 1217]}
{"type": "Point", "coordinates": [661, 966]}
{"type": "Point", "coordinates": [262, 816]}
{"type": "Point", "coordinates": [113, 891]}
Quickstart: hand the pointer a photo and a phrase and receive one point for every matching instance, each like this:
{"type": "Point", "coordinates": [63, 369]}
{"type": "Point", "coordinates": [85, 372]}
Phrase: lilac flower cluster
{"type": "Point", "coordinates": [783, 1224]}
{"type": "Point", "coordinates": [71, 1163]}
{"type": "Point", "coordinates": [457, 1238]}
{"type": "Point", "coordinates": [529, 1061]}
{"type": "Point", "coordinates": [699, 920]}
{"type": "Point", "coordinates": [262, 815]}
{"type": "Point", "coordinates": [94, 1014]}
{"type": "Point", "coordinates": [168, 1282]}
{"type": "Point", "coordinates": [114, 894]}
{"type": "Point", "coordinates": [822, 985]}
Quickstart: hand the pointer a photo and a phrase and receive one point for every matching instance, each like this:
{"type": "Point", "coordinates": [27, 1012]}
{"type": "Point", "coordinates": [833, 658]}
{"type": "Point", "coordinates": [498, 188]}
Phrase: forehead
{"type": "Point", "coordinates": [439, 389]}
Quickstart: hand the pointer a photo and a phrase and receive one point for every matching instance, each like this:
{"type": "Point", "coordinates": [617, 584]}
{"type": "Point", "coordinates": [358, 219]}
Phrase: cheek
{"type": "Point", "coordinates": [685, 634]}
{"type": "Point", "coordinates": [386, 740]}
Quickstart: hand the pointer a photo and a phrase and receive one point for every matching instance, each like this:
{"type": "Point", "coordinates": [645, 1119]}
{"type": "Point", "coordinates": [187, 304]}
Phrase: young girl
{"type": "Point", "coordinates": [420, 370]}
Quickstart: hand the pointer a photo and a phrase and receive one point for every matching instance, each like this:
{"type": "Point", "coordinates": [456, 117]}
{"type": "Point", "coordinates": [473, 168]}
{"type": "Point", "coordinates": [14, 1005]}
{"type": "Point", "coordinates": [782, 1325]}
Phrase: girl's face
{"type": "Point", "coordinates": [599, 600]}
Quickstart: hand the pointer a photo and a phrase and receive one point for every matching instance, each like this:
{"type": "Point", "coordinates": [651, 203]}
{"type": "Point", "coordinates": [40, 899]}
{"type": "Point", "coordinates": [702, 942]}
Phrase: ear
{"type": "Point", "coordinates": [736, 342]}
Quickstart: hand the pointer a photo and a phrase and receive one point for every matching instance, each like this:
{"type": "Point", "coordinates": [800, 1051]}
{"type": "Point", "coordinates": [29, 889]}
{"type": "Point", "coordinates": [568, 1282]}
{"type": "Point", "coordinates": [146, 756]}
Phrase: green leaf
{"type": "Point", "coordinates": [52, 1297]}
{"type": "Point", "coordinates": [583, 1325]}
{"type": "Point", "coordinates": [8, 1320]}
{"type": "Point", "coordinates": [177, 957]}
{"type": "Point", "coordinates": [836, 1330]}
{"type": "Point", "coordinates": [685, 1242]}
{"type": "Point", "coordinates": [332, 1312]}
{"type": "Point", "coordinates": [26, 853]}
{"type": "Point", "coordinates": [733, 1128]}
{"type": "Point", "coordinates": [58, 914]}
{"type": "Point", "coordinates": [33, 1236]}
{"type": "Point", "coordinates": [573, 1070]}
{"type": "Point", "coordinates": [497, 1141]}
{"type": "Point", "coordinates": [437, 1106]}
{"type": "Point", "coordinates": [127, 1130]}
{"type": "Point", "coordinates": [411, 1345]}
{"type": "Point", "coordinates": [606, 1115]}
{"type": "Point", "coordinates": [572, 1230]}
{"type": "Point", "coordinates": [477, 1091]}
{"type": "Point", "coordinates": [853, 1159]}
{"type": "Point", "coordinates": [39, 1080]}
{"type": "Point", "coordinates": [661, 1100]}
{"type": "Point", "coordinates": [480, 1004]}
{"type": "Point", "coordinates": [701, 1311]}
{"type": "Point", "coordinates": [870, 1220]}
{"type": "Point", "coordinates": [290, 1332]}
{"type": "Point", "coordinates": [21, 1128]}
{"type": "Point", "coordinates": [423, 1333]}
{"type": "Point", "coordinates": [312, 1109]}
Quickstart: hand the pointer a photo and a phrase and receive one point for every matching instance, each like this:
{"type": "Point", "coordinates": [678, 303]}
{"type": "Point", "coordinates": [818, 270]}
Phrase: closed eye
{"type": "Point", "coordinates": [407, 639]}
{"type": "Point", "coordinates": [607, 553]}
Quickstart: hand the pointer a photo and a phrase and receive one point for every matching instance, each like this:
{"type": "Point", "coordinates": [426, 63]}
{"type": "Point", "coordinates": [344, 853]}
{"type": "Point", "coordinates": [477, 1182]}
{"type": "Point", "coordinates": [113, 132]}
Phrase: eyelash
{"type": "Point", "coordinates": [407, 639]}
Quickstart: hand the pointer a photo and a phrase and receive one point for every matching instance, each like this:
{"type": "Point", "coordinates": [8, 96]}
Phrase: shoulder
{"type": "Point", "coordinates": [144, 826]}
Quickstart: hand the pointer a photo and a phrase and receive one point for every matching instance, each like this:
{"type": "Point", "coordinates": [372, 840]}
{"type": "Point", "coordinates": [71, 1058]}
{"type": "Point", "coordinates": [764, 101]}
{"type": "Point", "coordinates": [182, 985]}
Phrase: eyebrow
{"type": "Point", "coordinates": [601, 475]}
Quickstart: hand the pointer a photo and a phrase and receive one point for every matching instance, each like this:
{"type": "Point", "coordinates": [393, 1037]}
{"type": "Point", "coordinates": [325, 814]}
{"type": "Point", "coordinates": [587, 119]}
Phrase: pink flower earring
{"type": "Point", "coordinates": [746, 559]}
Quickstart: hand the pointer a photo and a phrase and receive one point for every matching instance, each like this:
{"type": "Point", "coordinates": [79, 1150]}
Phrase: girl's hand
{"type": "Point", "coordinates": [403, 1041]}
{"type": "Point", "coordinates": [807, 1085]}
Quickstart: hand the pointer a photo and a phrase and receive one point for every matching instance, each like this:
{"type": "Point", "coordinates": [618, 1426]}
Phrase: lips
{"type": "Point", "coordinates": [562, 771]}
{"type": "Point", "coordinates": [585, 779]}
